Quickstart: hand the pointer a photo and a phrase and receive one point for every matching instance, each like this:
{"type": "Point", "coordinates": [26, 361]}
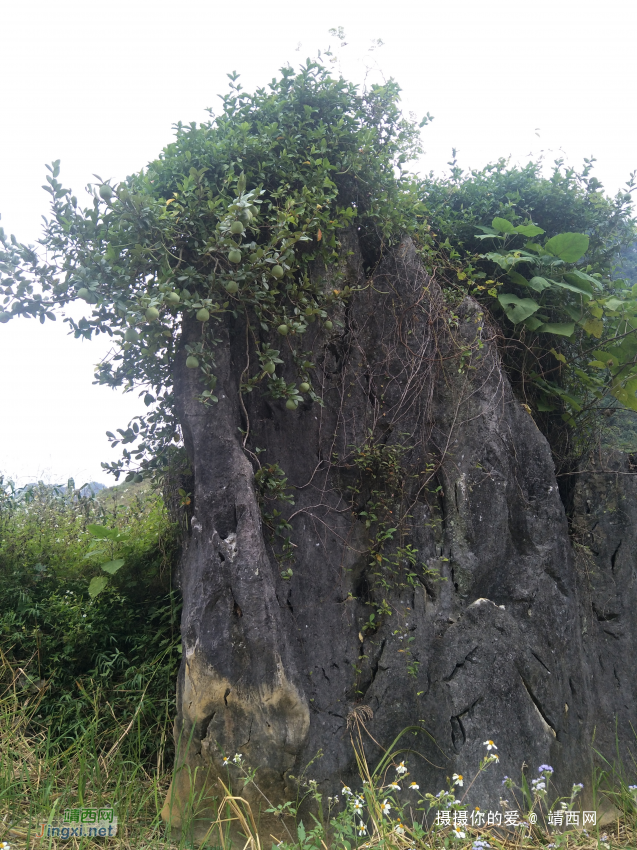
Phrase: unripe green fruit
{"type": "Point", "coordinates": [234, 255]}
{"type": "Point", "coordinates": [232, 287]}
{"type": "Point", "coordinates": [152, 313]}
{"type": "Point", "coordinates": [106, 193]}
{"type": "Point", "coordinates": [203, 315]}
{"type": "Point", "coordinates": [270, 367]}
{"type": "Point", "coordinates": [4, 317]}
{"type": "Point", "coordinates": [291, 404]}
{"type": "Point", "coordinates": [329, 325]}
{"type": "Point", "coordinates": [253, 258]}
{"type": "Point", "coordinates": [83, 293]}
{"type": "Point", "coordinates": [283, 330]}
{"type": "Point", "coordinates": [236, 227]}
{"type": "Point", "coordinates": [173, 298]}
{"type": "Point", "coordinates": [309, 311]}
{"type": "Point", "coordinates": [277, 272]}
{"type": "Point", "coordinates": [305, 387]}
{"type": "Point", "coordinates": [192, 362]}
{"type": "Point", "coordinates": [245, 216]}
{"type": "Point", "coordinates": [131, 335]}
{"type": "Point", "coordinates": [138, 479]}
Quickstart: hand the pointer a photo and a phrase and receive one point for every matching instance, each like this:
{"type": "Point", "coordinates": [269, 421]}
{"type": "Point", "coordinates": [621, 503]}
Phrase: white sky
{"type": "Point", "coordinates": [98, 85]}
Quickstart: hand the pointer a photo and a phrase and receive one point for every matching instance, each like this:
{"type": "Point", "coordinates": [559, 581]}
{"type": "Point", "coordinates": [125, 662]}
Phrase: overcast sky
{"type": "Point", "coordinates": [99, 86]}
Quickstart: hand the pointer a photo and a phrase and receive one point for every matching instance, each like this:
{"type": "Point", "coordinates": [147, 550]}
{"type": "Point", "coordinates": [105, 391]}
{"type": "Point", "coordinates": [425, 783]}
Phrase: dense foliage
{"type": "Point", "coordinates": [239, 214]}
{"type": "Point", "coordinates": [74, 652]}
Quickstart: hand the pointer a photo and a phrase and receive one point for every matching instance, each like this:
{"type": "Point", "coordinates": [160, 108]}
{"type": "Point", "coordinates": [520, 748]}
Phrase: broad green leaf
{"type": "Point", "coordinates": [102, 533]}
{"type": "Point", "coordinates": [558, 355]}
{"type": "Point", "coordinates": [597, 364]}
{"type": "Point", "coordinates": [97, 585]}
{"type": "Point", "coordinates": [606, 357]}
{"type": "Point", "coordinates": [516, 277]}
{"type": "Point", "coordinates": [559, 328]}
{"type": "Point", "coordinates": [113, 566]}
{"type": "Point", "coordinates": [563, 285]}
{"type": "Point", "coordinates": [544, 406]}
{"type": "Point", "coordinates": [529, 230]}
{"type": "Point", "coordinates": [517, 309]}
{"type": "Point", "coordinates": [569, 247]}
{"type": "Point", "coordinates": [532, 323]}
{"type": "Point", "coordinates": [539, 284]}
{"type": "Point", "coordinates": [594, 327]}
{"type": "Point", "coordinates": [576, 280]}
{"type": "Point", "coordinates": [502, 225]}
{"type": "Point", "coordinates": [614, 304]}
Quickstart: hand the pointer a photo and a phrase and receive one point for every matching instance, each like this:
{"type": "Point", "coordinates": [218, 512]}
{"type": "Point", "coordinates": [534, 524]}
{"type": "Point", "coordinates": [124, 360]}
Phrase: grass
{"type": "Point", "coordinates": [40, 778]}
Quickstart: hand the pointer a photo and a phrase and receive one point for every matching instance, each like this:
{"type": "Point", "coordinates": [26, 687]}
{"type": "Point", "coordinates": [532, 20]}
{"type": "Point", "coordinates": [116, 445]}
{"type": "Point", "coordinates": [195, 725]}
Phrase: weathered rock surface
{"type": "Point", "coordinates": [511, 642]}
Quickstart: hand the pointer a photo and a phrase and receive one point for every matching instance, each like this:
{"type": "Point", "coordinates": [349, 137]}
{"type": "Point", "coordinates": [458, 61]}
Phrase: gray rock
{"type": "Point", "coordinates": [495, 631]}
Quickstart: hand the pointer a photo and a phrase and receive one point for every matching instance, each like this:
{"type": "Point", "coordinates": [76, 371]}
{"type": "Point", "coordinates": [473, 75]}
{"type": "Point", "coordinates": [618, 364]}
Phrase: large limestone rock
{"type": "Point", "coordinates": [482, 624]}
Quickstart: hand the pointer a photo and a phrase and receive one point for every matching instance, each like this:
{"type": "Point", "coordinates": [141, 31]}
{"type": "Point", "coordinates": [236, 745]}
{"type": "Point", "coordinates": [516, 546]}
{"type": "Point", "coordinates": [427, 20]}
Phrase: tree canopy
{"type": "Point", "coordinates": [236, 214]}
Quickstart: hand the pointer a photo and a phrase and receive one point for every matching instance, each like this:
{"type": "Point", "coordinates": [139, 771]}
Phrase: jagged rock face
{"type": "Point", "coordinates": [476, 633]}
{"type": "Point", "coordinates": [605, 543]}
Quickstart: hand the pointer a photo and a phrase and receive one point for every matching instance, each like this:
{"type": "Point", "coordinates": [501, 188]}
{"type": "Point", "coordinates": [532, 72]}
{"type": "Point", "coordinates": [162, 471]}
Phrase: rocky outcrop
{"type": "Point", "coordinates": [429, 574]}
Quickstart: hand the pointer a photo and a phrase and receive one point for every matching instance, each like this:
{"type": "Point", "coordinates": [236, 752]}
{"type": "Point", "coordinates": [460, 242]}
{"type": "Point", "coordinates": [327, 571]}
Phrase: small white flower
{"type": "Point", "coordinates": [226, 761]}
{"type": "Point", "coordinates": [357, 805]}
{"type": "Point", "coordinates": [385, 808]}
{"type": "Point", "coordinates": [490, 745]}
{"type": "Point", "coordinates": [458, 779]}
{"type": "Point", "coordinates": [347, 790]}
{"type": "Point", "coordinates": [458, 833]}
{"type": "Point", "coordinates": [4, 845]}
{"type": "Point", "coordinates": [361, 828]}
{"type": "Point", "coordinates": [237, 758]}
{"type": "Point", "coordinates": [414, 786]}
{"type": "Point", "coordinates": [399, 828]}
{"type": "Point", "coordinates": [394, 786]}
{"type": "Point", "coordinates": [401, 768]}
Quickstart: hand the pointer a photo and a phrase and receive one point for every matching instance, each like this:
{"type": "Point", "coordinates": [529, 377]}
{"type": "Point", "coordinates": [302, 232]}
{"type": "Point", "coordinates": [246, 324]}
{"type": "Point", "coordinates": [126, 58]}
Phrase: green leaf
{"type": "Point", "coordinates": [579, 282]}
{"type": "Point", "coordinates": [112, 567]}
{"type": "Point", "coordinates": [516, 277]}
{"type": "Point", "coordinates": [539, 284]}
{"type": "Point", "coordinates": [517, 309]}
{"type": "Point", "coordinates": [559, 328]}
{"type": "Point", "coordinates": [102, 533]}
{"type": "Point", "coordinates": [502, 225]}
{"type": "Point", "coordinates": [558, 355]}
{"type": "Point", "coordinates": [569, 247]}
{"type": "Point", "coordinates": [532, 323]}
{"type": "Point", "coordinates": [97, 585]}
{"type": "Point", "coordinates": [545, 406]}
{"type": "Point", "coordinates": [563, 285]}
{"type": "Point", "coordinates": [594, 327]}
{"type": "Point", "coordinates": [614, 304]}
{"type": "Point", "coordinates": [529, 230]}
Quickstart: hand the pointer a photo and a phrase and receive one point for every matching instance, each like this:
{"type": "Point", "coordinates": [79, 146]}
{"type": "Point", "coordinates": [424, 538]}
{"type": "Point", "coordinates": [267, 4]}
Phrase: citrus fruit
{"type": "Point", "coordinates": [283, 330]}
{"type": "Point", "coordinates": [236, 227]}
{"type": "Point", "coordinates": [203, 315]}
{"type": "Point", "coordinates": [269, 367]}
{"type": "Point", "coordinates": [232, 287]}
{"type": "Point", "coordinates": [192, 362]}
{"type": "Point", "coordinates": [277, 271]}
{"type": "Point", "coordinates": [131, 335]}
{"type": "Point", "coordinates": [234, 255]}
{"type": "Point", "coordinates": [106, 193]}
{"type": "Point", "coordinates": [305, 387]}
{"type": "Point", "coordinates": [173, 298]}
{"type": "Point", "coordinates": [152, 313]}
{"type": "Point", "coordinates": [291, 404]}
